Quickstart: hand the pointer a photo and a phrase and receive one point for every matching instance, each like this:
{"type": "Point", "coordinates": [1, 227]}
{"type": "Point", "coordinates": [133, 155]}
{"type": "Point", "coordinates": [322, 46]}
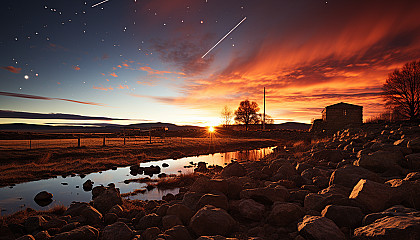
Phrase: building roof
{"type": "Point", "coordinates": [343, 105]}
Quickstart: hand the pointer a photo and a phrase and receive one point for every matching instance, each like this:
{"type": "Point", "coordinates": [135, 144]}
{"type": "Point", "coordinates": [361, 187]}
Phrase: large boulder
{"type": "Point", "coordinates": [381, 161]}
{"type": "Point", "coordinates": [319, 228]}
{"type": "Point", "coordinates": [43, 196]}
{"type": "Point", "coordinates": [267, 195]}
{"type": "Point", "coordinates": [212, 221]}
{"type": "Point", "coordinates": [170, 221]}
{"type": "Point", "coordinates": [92, 215]}
{"type": "Point", "coordinates": [179, 233]}
{"type": "Point", "coordinates": [107, 199]}
{"type": "Point", "coordinates": [250, 209]}
{"type": "Point", "coordinates": [233, 169]}
{"type": "Point", "coordinates": [397, 210]}
{"type": "Point", "coordinates": [205, 185]}
{"type": "Point", "coordinates": [344, 216]}
{"type": "Point", "coordinates": [391, 228]}
{"type": "Point", "coordinates": [350, 175]}
{"type": "Point", "coordinates": [88, 185]}
{"type": "Point", "coordinates": [180, 210]}
{"type": "Point", "coordinates": [151, 233]}
{"type": "Point", "coordinates": [117, 231]}
{"type": "Point", "coordinates": [148, 221]}
{"type": "Point", "coordinates": [85, 232]}
{"type": "Point", "coordinates": [373, 196]}
{"type": "Point", "coordinates": [284, 214]}
{"type": "Point", "coordinates": [217, 200]}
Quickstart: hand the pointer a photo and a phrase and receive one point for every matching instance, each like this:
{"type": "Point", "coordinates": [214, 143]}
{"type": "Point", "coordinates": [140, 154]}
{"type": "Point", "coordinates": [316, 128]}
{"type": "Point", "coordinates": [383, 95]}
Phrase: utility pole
{"type": "Point", "coordinates": [264, 112]}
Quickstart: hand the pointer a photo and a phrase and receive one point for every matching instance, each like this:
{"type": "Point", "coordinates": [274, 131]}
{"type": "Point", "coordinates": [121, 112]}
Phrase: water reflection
{"type": "Point", "coordinates": [22, 195]}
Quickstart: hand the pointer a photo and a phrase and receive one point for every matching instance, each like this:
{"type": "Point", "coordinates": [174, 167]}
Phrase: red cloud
{"type": "Point", "coordinates": [123, 87]}
{"type": "Point", "coordinates": [113, 74]}
{"type": "Point", "coordinates": [12, 69]}
{"type": "Point", "coordinates": [76, 68]}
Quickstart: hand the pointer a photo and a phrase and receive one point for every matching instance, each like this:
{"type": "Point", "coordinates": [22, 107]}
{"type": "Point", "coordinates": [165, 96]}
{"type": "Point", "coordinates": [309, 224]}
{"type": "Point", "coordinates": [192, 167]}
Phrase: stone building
{"type": "Point", "coordinates": [338, 116]}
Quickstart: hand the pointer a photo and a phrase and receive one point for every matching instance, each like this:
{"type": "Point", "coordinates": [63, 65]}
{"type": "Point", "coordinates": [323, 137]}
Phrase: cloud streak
{"type": "Point", "coordinates": [12, 69]}
{"type": "Point", "coordinates": [63, 116]}
{"type": "Point", "coordinates": [28, 96]}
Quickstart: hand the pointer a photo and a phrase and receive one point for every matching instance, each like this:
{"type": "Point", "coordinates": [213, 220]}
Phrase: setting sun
{"type": "Point", "coordinates": [211, 129]}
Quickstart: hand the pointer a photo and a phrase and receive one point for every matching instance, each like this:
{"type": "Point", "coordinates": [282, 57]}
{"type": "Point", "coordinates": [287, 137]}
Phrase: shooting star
{"type": "Point", "coordinates": [99, 3]}
{"type": "Point", "coordinates": [237, 25]}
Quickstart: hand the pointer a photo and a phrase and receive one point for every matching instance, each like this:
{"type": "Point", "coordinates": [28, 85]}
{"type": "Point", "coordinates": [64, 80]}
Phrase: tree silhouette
{"type": "Point", "coordinates": [247, 113]}
{"type": "Point", "coordinates": [227, 116]}
{"type": "Point", "coordinates": [401, 90]}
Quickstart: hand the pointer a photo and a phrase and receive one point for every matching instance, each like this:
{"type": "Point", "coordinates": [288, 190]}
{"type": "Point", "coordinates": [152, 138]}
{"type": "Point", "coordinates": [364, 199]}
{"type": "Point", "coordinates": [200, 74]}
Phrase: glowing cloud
{"type": "Point", "coordinates": [12, 69]}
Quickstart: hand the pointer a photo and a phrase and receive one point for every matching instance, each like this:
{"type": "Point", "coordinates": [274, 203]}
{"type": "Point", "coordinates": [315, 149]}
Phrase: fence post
{"type": "Point", "coordinates": [78, 142]}
{"type": "Point", "coordinates": [150, 135]}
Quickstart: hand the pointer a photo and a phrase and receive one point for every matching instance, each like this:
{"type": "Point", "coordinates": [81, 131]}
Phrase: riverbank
{"type": "Point", "coordinates": [19, 166]}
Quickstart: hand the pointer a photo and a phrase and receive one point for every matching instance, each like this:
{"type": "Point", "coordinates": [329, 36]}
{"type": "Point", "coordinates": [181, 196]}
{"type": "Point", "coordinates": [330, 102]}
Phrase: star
{"type": "Point", "coordinates": [26, 77]}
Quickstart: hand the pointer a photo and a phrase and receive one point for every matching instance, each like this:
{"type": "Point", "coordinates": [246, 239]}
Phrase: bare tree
{"type": "Point", "coordinates": [401, 90]}
{"type": "Point", "coordinates": [227, 116]}
{"type": "Point", "coordinates": [247, 113]}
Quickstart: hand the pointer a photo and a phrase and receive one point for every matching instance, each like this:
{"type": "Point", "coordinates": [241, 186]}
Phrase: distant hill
{"type": "Point", "coordinates": [89, 128]}
{"type": "Point", "coordinates": [292, 126]}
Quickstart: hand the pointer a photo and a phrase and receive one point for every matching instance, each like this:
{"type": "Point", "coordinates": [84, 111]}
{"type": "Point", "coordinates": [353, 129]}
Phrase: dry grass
{"type": "Point", "coordinates": [20, 216]}
{"type": "Point", "coordinates": [177, 181]}
{"type": "Point", "coordinates": [133, 193]}
{"type": "Point", "coordinates": [19, 166]}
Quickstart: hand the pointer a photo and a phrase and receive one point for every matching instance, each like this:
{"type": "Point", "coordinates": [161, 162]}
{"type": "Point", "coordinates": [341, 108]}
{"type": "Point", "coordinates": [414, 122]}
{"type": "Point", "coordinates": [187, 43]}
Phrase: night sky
{"type": "Point", "coordinates": [126, 61]}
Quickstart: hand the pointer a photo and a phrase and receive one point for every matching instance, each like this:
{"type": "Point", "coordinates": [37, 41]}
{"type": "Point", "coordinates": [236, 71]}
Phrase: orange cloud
{"type": "Point", "coordinates": [76, 68]}
{"type": "Point", "coordinates": [12, 69]}
{"type": "Point", "coordinates": [103, 88]}
{"type": "Point", "coordinates": [113, 74]}
{"type": "Point", "coordinates": [123, 87]}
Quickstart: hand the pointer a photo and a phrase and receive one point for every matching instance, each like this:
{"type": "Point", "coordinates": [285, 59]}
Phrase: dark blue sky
{"type": "Point", "coordinates": [142, 60]}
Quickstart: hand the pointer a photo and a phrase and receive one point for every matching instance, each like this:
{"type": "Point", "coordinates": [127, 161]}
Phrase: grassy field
{"type": "Point", "coordinates": [54, 157]}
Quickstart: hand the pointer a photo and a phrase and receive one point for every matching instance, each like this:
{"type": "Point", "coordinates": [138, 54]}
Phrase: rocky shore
{"type": "Point", "coordinates": [361, 183]}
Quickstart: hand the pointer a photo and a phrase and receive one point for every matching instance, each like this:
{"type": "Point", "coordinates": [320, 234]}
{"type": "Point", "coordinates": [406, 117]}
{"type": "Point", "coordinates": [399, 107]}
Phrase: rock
{"type": "Point", "coordinates": [397, 210]}
{"type": "Point", "coordinates": [107, 199]}
{"type": "Point", "coordinates": [330, 155]}
{"type": "Point", "coordinates": [110, 218]}
{"type": "Point", "coordinates": [43, 196]}
{"type": "Point", "coordinates": [190, 199]}
{"type": "Point", "coordinates": [117, 231]}
{"type": "Point", "coordinates": [391, 228]}
{"type": "Point", "coordinates": [179, 233]}
{"type": "Point", "coordinates": [43, 235]}
{"type": "Point", "coordinates": [148, 221]}
{"type": "Point", "coordinates": [217, 200]}
{"type": "Point", "coordinates": [319, 228]}
{"type": "Point", "coordinates": [212, 221]}
{"type": "Point", "coordinates": [117, 209]}
{"type": "Point", "coordinates": [284, 214]}
{"type": "Point", "coordinates": [350, 175]}
{"type": "Point", "coordinates": [54, 223]}
{"type": "Point", "coordinates": [413, 176]}
{"type": "Point", "coordinates": [233, 169]}
{"type": "Point", "coordinates": [151, 233]}
{"type": "Point", "coordinates": [34, 223]}
{"type": "Point", "coordinates": [414, 145]}
{"type": "Point", "coordinates": [92, 215]}
{"type": "Point", "coordinates": [183, 212]}
{"type": "Point", "coordinates": [85, 232]}
{"type": "Point", "coordinates": [286, 171]}
{"type": "Point", "coordinates": [98, 190]}
{"type": "Point", "coordinates": [76, 208]}
{"type": "Point", "coordinates": [344, 216]}
{"type": "Point", "coordinates": [266, 195]}
{"type": "Point", "coordinates": [165, 165]}
{"type": "Point", "coordinates": [201, 167]}
{"type": "Point", "coordinates": [380, 161]}
{"type": "Point", "coordinates": [250, 209]}
{"type": "Point", "coordinates": [218, 237]}
{"type": "Point", "coordinates": [205, 185]}
{"type": "Point", "coordinates": [413, 161]}
{"type": "Point", "coordinates": [88, 185]}
{"type": "Point", "coordinates": [170, 221]}
{"type": "Point", "coordinates": [26, 237]}
{"type": "Point", "coordinates": [373, 196]}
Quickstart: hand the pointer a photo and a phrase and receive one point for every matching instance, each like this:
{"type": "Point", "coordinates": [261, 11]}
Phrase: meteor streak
{"type": "Point", "coordinates": [224, 37]}
{"type": "Point", "coordinates": [99, 3]}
